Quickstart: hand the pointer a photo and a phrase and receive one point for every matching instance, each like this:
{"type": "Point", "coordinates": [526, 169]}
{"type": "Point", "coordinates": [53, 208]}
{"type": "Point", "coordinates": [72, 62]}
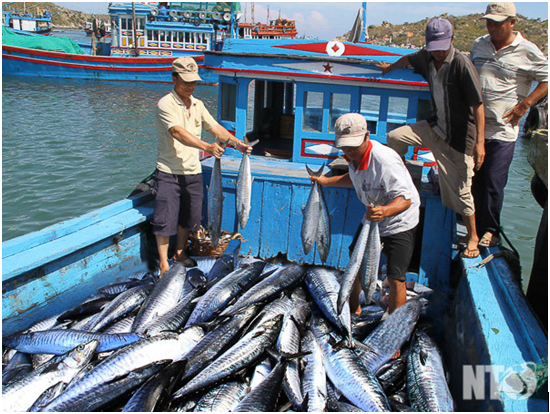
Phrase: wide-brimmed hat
{"type": "Point", "coordinates": [500, 11]}
{"type": "Point", "coordinates": [350, 130]}
{"type": "Point", "coordinates": [187, 68]}
{"type": "Point", "coordinates": [439, 35]}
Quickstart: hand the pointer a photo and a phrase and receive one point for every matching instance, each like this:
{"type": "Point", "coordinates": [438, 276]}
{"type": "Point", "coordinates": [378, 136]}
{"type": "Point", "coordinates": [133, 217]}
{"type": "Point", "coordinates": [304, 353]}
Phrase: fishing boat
{"type": "Point", "coordinates": [25, 22]}
{"type": "Point", "coordinates": [145, 40]}
{"type": "Point", "coordinates": [288, 94]}
{"type": "Point", "coordinates": [97, 28]}
{"type": "Point", "coordinates": [276, 29]}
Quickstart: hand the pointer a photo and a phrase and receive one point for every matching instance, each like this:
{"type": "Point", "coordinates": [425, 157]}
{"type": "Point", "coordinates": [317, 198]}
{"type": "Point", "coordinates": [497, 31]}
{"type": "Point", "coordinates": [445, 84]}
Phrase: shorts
{"type": "Point", "coordinates": [178, 202]}
{"type": "Point", "coordinates": [398, 249]}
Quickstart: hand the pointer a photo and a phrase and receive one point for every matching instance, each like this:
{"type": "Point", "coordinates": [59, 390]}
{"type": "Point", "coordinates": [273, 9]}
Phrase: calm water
{"type": "Point", "coordinates": [71, 146]}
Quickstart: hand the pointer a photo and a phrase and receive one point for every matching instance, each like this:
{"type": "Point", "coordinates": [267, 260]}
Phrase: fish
{"type": "Point", "coordinates": [223, 398]}
{"type": "Point", "coordinates": [314, 378]}
{"type": "Point", "coordinates": [426, 383]}
{"type": "Point", "coordinates": [282, 279]}
{"type": "Point", "coordinates": [18, 366]}
{"type": "Point", "coordinates": [124, 303]}
{"type": "Point", "coordinates": [242, 354]}
{"type": "Point", "coordinates": [244, 188]}
{"type": "Point", "coordinates": [353, 266]}
{"type": "Point", "coordinates": [60, 341]}
{"type": "Point", "coordinates": [390, 335]}
{"type": "Point", "coordinates": [311, 213]}
{"type": "Point", "coordinates": [225, 264]}
{"type": "Point", "coordinates": [368, 272]}
{"type": "Point", "coordinates": [346, 370]}
{"type": "Point", "coordinates": [163, 298]}
{"type": "Point", "coordinates": [264, 397]}
{"type": "Point", "coordinates": [323, 237]}
{"type": "Point", "coordinates": [21, 395]}
{"type": "Point", "coordinates": [219, 295]}
{"type": "Point", "coordinates": [261, 371]}
{"type": "Point", "coordinates": [215, 203]}
{"type": "Point", "coordinates": [166, 346]}
{"type": "Point", "coordinates": [324, 288]}
{"type": "Point", "coordinates": [145, 399]}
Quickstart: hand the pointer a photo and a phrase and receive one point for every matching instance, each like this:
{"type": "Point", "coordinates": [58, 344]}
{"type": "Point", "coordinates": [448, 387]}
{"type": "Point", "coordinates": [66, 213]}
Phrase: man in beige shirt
{"type": "Point", "coordinates": [177, 185]}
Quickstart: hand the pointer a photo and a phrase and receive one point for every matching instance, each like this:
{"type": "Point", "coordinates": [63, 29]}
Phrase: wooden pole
{"type": "Point", "coordinates": [134, 21]}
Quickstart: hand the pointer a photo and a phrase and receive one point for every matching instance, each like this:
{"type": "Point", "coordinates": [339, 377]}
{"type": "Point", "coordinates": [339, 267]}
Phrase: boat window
{"type": "Point", "coordinates": [397, 112]}
{"type": "Point", "coordinates": [370, 109]}
{"type": "Point", "coordinates": [250, 106]}
{"type": "Point", "coordinates": [180, 37]}
{"type": "Point", "coordinates": [229, 102]}
{"type": "Point", "coordinates": [130, 25]}
{"type": "Point", "coordinates": [340, 104]}
{"type": "Point", "coordinates": [313, 111]}
{"type": "Point", "coordinates": [123, 24]}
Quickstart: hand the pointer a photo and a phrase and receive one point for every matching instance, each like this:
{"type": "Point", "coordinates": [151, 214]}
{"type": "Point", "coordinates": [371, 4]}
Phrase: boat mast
{"type": "Point", "coordinates": [134, 21]}
{"type": "Point", "coordinates": [364, 34]}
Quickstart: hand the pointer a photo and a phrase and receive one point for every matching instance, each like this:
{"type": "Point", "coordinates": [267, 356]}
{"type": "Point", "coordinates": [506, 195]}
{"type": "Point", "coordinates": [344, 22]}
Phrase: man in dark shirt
{"type": "Point", "coordinates": [456, 135]}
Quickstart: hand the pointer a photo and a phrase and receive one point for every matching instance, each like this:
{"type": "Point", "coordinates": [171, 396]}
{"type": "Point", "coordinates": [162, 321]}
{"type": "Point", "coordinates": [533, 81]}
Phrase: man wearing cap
{"type": "Point", "coordinates": [378, 173]}
{"type": "Point", "coordinates": [455, 135]}
{"type": "Point", "coordinates": [507, 64]}
{"type": "Point", "coordinates": [177, 184]}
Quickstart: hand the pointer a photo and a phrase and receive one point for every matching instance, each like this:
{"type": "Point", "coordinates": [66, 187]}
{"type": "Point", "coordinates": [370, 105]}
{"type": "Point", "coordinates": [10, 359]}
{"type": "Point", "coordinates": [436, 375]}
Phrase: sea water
{"type": "Point", "coordinates": [72, 146]}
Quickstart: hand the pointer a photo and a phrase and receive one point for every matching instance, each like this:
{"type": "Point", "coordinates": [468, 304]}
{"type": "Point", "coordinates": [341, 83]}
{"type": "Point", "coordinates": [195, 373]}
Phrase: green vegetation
{"type": "Point", "coordinates": [466, 30]}
{"type": "Point", "coordinates": [61, 16]}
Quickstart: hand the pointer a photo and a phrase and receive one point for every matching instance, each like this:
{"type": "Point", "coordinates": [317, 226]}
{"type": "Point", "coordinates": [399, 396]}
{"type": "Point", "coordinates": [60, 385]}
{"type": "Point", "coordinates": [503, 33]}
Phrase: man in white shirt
{"type": "Point", "coordinates": [507, 64]}
{"type": "Point", "coordinates": [378, 173]}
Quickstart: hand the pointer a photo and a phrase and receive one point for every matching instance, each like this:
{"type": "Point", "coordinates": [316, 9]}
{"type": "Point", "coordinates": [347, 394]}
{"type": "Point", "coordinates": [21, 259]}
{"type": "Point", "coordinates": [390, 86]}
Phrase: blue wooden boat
{"type": "Point", "coordinates": [25, 22]}
{"type": "Point", "coordinates": [288, 94]}
{"type": "Point", "coordinates": [145, 40]}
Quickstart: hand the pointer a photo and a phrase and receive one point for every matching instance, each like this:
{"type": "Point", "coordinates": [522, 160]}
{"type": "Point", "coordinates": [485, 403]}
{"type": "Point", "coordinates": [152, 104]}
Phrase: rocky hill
{"type": "Point", "coordinates": [466, 30]}
{"type": "Point", "coordinates": [61, 16]}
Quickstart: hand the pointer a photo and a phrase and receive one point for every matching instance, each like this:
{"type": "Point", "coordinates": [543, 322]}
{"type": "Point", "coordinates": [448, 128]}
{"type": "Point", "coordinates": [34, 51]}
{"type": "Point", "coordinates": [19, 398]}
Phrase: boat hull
{"type": "Point", "coordinates": [31, 62]}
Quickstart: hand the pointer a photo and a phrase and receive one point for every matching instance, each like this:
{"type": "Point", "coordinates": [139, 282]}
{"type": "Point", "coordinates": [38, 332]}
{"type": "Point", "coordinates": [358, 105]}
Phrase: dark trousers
{"type": "Point", "coordinates": [488, 185]}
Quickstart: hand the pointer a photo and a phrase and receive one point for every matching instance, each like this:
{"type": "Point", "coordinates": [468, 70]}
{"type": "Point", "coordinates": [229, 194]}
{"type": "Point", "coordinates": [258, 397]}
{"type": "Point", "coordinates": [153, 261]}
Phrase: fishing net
{"type": "Point", "coordinates": [51, 43]}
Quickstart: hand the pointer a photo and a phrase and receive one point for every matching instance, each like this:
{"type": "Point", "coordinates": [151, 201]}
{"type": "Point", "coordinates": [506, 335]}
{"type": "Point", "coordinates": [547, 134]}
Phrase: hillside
{"type": "Point", "coordinates": [466, 30]}
{"type": "Point", "coordinates": [61, 16]}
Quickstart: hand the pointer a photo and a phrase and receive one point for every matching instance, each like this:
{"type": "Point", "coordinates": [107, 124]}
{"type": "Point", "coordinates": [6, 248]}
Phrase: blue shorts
{"type": "Point", "coordinates": [178, 201]}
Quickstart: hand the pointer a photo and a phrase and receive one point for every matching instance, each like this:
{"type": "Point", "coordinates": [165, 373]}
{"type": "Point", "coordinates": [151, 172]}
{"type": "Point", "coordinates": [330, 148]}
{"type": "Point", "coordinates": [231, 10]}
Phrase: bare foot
{"type": "Point", "coordinates": [471, 250]}
{"type": "Point", "coordinates": [163, 266]}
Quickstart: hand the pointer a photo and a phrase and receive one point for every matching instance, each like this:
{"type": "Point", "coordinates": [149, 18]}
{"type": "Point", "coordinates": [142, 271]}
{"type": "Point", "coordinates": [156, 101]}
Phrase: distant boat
{"type": "Point", "coordinates": [100, 28]}
{"type": "Point", "coordinates": [276, 29]}
{"type": "Point", "coordinates": [24, 22]}
{"type": "Point", "coordinates": [145, 40]}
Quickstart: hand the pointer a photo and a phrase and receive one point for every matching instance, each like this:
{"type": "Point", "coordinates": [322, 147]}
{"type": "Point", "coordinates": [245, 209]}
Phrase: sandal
{"type": "Point", "coordinates": [472, 253]}
{"type": "Point", "coordinates": [489, 240]}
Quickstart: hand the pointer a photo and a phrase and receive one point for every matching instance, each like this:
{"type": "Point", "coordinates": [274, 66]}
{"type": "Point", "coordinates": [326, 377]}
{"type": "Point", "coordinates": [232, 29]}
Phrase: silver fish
{"type": "Point", "coordinates": [368, 272]}
{"type": "Point", "coordinates": [222, 399]}
{"type": "Point", "coordinates": [215, 203]}
{"type": "Point", "coordinates": [390, 335]}
{"type": "Point", "coordinates": [323, 231]}
{"type": "Point", "coordinates": [311, 213]}
{"type": "Point", "coordinates": [20, 396]}
{"type": "Point", "coordinates": [353, 266]}
{"type": "Point", "coordinates": [166, 346]}
{"type": "Point", "coordinates": [324, 288]}
{"type": "Point", "coordinates": [163, 298]}
{"type": "Point", "coordinates": [426, 384]}
{"type": "Point", "coordinates": [314, 378]}
{"type": "Point", "coordinates": [347, 372]}
{"type": "Point", "coordinates": [244, 188]}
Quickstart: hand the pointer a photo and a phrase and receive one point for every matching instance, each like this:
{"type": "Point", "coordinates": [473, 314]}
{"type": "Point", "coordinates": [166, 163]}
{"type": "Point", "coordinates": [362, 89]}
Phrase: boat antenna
{"type": "Point", "coordinates": [267, 15]}
{"type": "Point", "coordinates": [252, 12]}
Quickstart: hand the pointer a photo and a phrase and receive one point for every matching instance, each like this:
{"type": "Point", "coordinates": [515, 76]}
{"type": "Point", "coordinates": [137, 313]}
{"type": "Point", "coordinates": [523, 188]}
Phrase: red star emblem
{"type": "Point", "coordinates": [328, 68]}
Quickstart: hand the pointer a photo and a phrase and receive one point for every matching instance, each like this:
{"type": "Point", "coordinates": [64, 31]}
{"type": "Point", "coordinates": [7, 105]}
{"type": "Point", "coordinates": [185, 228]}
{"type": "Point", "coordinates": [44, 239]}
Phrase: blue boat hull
{"type": "Point", "coordinates": [30, 62]}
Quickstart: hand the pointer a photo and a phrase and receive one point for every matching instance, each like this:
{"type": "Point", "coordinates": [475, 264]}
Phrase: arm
{"type": "Point", "coordinates": [186, 138]}
{"type": "Point", "coordinates": [335, 181]}
{"type": "Point", "coordinates": [386, 67]}
{"type": "Point", "coordinates": [227, 138]}
{"type": "Point", "coordinates": [398, 205]}
{"type": "Point", "coordinates": [516, 113]}
{"type": "Point", "coordinates": [479, 148]}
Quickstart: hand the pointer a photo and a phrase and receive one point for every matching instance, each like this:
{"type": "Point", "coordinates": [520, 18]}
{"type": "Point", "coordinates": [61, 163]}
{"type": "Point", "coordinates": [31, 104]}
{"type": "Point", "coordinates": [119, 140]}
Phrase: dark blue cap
{"type": "Point", "coordinates": [439, 33]}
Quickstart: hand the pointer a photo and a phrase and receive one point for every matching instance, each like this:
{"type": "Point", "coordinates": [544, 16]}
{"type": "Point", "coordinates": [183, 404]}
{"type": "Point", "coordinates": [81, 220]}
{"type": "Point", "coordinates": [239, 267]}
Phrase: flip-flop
{"type": "Point", "coordinates": [471, 252]}
{"type": "Point", "coordinates": [489, 240]}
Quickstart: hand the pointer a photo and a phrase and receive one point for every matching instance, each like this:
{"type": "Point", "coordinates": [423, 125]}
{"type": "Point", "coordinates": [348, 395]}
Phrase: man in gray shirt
{"type": "Point", "coordinates": [455, 136]}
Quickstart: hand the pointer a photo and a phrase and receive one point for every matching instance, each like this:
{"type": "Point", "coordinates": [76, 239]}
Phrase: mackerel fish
{"type": "Point", "coordinates": [322, 237]}
{"type": "Point", "coordinates": [223, 398]}
{"type": "Point", "coordinates": [314, 379]}
{"type": "Point", "coordinates": [368, 272]}
{"type": "Point", "coordinates": [312, 213]}
{"type": "Point", "coordinates": [244, 188]}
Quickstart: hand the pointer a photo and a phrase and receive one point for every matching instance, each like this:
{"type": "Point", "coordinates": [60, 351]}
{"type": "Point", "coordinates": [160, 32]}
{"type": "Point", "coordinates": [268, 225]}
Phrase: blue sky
{"type": "Point", "coordinates": [326, 20]}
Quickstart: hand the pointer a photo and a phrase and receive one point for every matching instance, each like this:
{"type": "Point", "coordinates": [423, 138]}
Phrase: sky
{"type": "Point", "coordinates": [329, 19]}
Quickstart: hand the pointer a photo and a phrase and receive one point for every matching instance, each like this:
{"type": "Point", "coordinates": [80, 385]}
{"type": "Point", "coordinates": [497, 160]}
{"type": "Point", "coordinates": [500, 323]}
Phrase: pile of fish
{"type": "Point", "coordinates": [232, 334]}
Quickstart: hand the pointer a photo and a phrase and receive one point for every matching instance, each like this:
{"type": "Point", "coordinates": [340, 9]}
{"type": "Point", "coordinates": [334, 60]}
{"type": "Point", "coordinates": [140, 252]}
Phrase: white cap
{"type": "Point", "coordinates": [350, 130]}
{"type": "Point", "coordinates": [500, 11]}
{"type": "Point", "coordinates": [187, 68]}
